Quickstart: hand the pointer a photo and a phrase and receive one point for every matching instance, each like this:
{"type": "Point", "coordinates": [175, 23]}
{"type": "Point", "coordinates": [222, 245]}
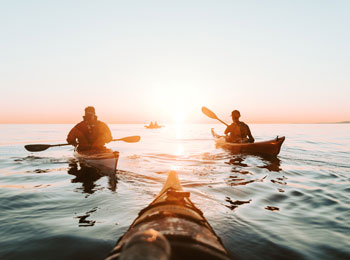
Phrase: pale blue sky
{"type": "Point", "coordinates": [137, 61]}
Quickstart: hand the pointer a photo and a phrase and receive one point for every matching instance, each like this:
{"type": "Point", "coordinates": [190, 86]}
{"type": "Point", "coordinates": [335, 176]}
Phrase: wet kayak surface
{"type": "Point", "coordinates": [295, 206]}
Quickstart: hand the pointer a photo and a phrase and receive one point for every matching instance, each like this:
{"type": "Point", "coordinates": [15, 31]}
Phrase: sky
{"type": "Point", "coordinates": [277, 61]}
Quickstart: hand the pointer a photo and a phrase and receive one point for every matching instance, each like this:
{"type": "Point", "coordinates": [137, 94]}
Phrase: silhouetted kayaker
{"type": "Point", "coordinates": [89, 134]}
{"type": "Point", "coordinates": [238, 132]}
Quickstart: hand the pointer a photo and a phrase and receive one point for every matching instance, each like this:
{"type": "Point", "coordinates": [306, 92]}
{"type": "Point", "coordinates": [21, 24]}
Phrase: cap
{"type": "Point", "coordinates": [89, 110]}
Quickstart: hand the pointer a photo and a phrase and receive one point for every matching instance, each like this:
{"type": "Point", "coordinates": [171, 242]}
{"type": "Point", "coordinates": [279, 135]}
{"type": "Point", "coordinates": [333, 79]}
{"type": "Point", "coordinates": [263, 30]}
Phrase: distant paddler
{"type": "Point", "coordinates": [153, 125]}
{"type": "Point", "coordinates": [90, 134]}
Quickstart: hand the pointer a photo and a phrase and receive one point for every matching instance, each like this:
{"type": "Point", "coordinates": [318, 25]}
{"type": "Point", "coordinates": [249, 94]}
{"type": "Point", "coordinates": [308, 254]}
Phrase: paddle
{"type": "Point", "coordinates": [129, 139]}
{"type": "Point", "coordinates": [211, 114]}
{"type": "Point", "coordinates": [40, 147]}
{"type": "Point", "coordinates": [43, 147]}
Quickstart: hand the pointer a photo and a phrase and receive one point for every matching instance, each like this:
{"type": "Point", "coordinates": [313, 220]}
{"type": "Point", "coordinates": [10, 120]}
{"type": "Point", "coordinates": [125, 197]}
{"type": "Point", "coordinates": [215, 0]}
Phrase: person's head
{"type": "Point", "coordinates": [235, 115]}
{"type": "Point", "coordinates": [90, 115]}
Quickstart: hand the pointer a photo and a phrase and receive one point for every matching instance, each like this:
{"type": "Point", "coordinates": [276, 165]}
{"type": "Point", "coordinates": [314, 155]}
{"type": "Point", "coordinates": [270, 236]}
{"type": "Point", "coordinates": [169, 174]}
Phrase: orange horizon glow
{"type": "Point", "coordinates": [177, 104]}
{"type": "Point", "coordinates": [172, 106]}
{"type": "Point", "coordinates": [175, 118]}
{"type": "Point", "coordinates": [169, 115]}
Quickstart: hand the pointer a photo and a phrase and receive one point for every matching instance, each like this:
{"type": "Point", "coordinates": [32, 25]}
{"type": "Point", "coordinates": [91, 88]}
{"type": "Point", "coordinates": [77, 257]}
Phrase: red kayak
{"type": "Point", "coordinates": [264, 148]}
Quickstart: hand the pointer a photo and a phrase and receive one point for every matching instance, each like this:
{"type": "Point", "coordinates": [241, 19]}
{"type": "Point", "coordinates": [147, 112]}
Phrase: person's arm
{"type": "Point", "coordinates": [250, 137]}
{"type": "Point", "coordinates": [227, 131]}
{"type": "Point", "coordinates": [104, 135]}
{"type": "Point", "coordinates": [107, 133]}
{"type": "Point", "coordinates": [72, 136]}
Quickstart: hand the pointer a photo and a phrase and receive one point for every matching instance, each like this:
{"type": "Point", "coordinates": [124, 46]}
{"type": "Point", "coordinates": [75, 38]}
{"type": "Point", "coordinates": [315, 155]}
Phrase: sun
{"type": "Point", "coordinates": [178, 103]}
{"type": "Point", "coordinates": [178, 116]}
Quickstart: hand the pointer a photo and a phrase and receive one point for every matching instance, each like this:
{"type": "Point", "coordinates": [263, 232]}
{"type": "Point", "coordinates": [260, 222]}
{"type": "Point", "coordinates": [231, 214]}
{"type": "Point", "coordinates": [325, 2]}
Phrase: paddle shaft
{"type": "Point", "coordinates": [129, 139]}
{"type": "Point", "coordinates": [206, 111]}
{"type": "Point", "coordinates": [222, 122]}
{"type": "Point", "coordinates": [52, 145]}
{"type": "Point", "coordinates": [43, 147]}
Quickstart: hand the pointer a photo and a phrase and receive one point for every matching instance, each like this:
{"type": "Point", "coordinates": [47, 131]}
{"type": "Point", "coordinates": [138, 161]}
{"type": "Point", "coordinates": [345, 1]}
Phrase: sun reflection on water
{"type": "Point", "coordinates": [179, 150]}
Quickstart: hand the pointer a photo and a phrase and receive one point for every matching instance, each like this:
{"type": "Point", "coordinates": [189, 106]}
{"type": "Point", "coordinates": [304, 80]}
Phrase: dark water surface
{"type": "Point", "coordinates": [293, 207]}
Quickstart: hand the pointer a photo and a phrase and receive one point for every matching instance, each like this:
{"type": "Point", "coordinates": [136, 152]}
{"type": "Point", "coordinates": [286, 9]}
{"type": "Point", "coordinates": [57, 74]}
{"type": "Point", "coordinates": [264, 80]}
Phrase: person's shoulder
{"type": "Point", "coordinates": [102, 123]}
{"type": "Point", "coordinates": [80, 124]}
{"type": "Point", "coordinates": [243, 124]}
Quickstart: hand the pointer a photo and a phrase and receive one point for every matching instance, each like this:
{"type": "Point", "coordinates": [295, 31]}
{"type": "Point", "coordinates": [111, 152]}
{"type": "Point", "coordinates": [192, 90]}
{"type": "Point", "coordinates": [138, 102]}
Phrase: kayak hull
{"type": "Point", "coordinates": [174, 216]}
{"type": "Point", "coordinates": [265, 148]}
{"type": "Point", "coordinates": [105, 160]}
{"type": "Point", "coordinates": [153, 127]}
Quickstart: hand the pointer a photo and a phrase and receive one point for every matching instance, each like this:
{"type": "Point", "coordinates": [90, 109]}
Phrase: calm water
{"type": "Point", "coordinates": [294, 207]}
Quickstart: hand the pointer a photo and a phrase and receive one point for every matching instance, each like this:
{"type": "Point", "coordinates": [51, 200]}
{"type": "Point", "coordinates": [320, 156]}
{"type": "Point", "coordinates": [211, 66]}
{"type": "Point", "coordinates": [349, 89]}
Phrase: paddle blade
{"type": "Point", "coordinates": [209, 113]}
{"type": "Point", "coordinates": [36, 147]}
{"type": "Point", "coordinates": [130, 139]}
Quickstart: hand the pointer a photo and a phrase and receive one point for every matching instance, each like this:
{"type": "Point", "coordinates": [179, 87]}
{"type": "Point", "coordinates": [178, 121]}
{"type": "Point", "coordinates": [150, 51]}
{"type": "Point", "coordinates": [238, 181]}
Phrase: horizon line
{"type": "Point", "coordinates": [172, 123]}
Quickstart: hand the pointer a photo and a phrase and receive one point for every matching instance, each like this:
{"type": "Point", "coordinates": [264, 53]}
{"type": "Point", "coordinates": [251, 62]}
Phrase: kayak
{"type": "Point", "coordinates": [153, 127]}
{"type": "Point", "coordinates": [104, 160]}
{"type": "Point", "coordinates": [264, 148]}
{"type": "Point", "coordinates": [171, 227]}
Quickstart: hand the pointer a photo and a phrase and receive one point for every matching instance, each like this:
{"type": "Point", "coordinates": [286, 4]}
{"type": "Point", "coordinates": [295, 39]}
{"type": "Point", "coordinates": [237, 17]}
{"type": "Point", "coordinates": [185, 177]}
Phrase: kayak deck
{"type": "Point", "coordinates": [173, 215]}
{"type": "Point", "coordinates": [104, 160]}
{"type": "Point", "coordinates": [264, 148]}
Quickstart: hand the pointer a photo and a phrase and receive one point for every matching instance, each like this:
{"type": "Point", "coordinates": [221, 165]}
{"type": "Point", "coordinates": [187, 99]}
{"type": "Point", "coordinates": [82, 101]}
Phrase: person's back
{"type": "Point", "coordinates": [89, 134]}
{"type": "Point", "coordinates": [238, 132]}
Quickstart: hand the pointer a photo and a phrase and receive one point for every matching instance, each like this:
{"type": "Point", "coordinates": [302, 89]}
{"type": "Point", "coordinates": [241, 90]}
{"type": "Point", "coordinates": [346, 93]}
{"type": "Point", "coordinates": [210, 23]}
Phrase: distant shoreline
{"type": "Point", "coordinates": [342, 122]}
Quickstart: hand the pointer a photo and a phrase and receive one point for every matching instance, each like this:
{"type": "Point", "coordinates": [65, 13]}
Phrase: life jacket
{"type": "Point", "coordinates": [235, 134]}
{"type": "Point", "coordinates": [87, 135]}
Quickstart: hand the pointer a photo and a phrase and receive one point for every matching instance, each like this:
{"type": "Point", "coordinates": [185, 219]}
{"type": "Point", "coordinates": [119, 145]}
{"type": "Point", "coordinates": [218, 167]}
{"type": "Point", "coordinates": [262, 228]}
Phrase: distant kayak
{"type": "Point", "coordinates": [105, 160]}
{"type": "Point", "coordinates": [264, 148]}
{"type": "Point", "coordinates": [171, 227]}
{"type": "Point", "coordinates": [153, 127]}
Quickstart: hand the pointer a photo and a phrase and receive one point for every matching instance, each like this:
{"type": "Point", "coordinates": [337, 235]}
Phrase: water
{"type": "Point", "coordinates": [293, 207]}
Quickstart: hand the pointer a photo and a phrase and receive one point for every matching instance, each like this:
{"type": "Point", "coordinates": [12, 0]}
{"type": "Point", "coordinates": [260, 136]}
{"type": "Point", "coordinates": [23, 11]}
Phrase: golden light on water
{"type": "Point", "coordinates": [179, 150]}
{"type": "Point", "coordinates": [175, 167]}
{"type": "Point", "coordinates": [179, 134]}
{"type": "Point", "coordinates": [179, 130]}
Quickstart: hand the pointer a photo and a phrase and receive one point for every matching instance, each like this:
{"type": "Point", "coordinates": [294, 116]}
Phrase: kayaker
{"type": "Point", "coordinates": [238, 132]}
{"type": "Point", "coordinates": [90, 134]}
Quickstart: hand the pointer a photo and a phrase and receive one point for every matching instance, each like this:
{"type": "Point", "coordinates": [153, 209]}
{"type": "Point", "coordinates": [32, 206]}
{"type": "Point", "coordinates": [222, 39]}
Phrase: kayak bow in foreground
{"type": "Point", "coordinates": [264, 148]}
{"type": "Point", "coordinates": [171, 227]}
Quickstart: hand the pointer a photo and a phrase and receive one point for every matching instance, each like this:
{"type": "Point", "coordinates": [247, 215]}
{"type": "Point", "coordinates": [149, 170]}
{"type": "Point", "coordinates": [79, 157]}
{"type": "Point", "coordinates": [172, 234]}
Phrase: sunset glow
{"type": "Point", "coordinates": [276, 63]}
{"type": "Point", "coordinates": [179, 116]}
